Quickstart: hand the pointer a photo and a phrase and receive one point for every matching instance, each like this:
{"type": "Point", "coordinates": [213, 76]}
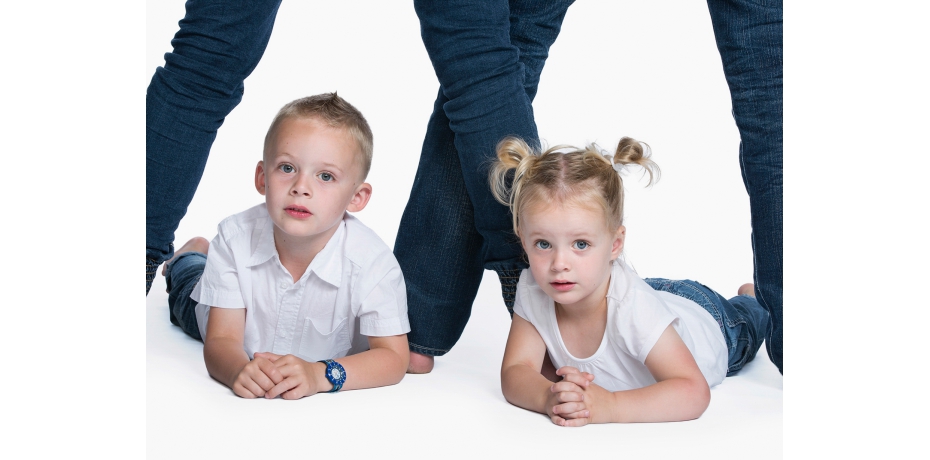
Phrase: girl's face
{"type": "Point", "coordinates": [570, 249]}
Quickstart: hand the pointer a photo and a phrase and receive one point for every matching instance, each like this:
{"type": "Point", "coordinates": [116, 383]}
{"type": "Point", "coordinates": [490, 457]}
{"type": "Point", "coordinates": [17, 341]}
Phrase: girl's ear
{"type": "Point", "coordinates": [260, 177]}
{"type": "Point", "coordinates": [617, 247]}
{"type": "Point", "coordinates": [360, 199]}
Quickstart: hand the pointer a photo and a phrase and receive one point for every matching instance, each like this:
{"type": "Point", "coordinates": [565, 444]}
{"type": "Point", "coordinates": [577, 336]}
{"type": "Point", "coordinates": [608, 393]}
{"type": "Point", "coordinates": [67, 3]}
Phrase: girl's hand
{"type": "Point", "coordinates": [566, 405]}
{"type": "Point", "coordinates": [299, 376]}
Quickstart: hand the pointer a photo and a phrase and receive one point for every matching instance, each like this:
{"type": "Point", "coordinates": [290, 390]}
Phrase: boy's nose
{"type": "Point", "coordinates": [301, 188]}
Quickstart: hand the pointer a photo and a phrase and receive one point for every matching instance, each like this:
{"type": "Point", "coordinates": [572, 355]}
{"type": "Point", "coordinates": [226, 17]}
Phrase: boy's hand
{"type": "Point", "coordinates": [256, 378]}
{"type": "Point", "coordinates": [566, 405]}
{"type": "Point", "coordinates": [300, 378]}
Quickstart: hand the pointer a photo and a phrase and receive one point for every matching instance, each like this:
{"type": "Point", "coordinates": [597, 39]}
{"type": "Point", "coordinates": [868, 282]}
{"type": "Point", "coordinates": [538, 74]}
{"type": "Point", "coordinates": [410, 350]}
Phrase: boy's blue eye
{"type": "Point", "coordinates": [326, 177]}
{"type": "Point", "coordinates": [286, 168]}
{"type": "Point", "coordinates": [581, 245]}
{"type": "Point", "coordinates": [543, 244]}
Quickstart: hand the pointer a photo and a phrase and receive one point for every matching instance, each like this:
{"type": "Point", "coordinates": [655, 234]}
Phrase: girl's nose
{"type": "Point", "coordinates": [559, 262]}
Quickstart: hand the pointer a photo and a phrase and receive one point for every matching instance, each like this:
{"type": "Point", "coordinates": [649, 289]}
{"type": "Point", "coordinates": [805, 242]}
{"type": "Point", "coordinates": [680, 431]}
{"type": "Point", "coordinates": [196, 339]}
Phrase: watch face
{"type": "Point", "coordinates": [337, 373]}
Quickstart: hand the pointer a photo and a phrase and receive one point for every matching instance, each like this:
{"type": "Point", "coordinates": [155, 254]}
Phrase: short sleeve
{"type": "Point", "coordinates": [640, 321]}
{"type": "Point", "coordinates": [219, 285]}
{"type": "Point", "coordinates": [521, 303]}
{"type": "Point", "coordinates": [383, 310]}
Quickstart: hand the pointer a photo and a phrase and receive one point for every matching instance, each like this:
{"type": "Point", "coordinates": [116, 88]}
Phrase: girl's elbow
{"type": "Point", "coordinates": [701, 398]}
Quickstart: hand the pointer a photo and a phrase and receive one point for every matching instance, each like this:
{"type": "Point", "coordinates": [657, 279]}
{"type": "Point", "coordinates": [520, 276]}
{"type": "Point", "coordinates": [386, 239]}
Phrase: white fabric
{"type": "Point", "coordinates": [353, 288]}
{"type": "Point", "coordinates": [636, 317]}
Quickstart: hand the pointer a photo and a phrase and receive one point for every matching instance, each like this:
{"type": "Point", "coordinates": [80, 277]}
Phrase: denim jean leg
{"type": "Point", "coordinates": [218, 45]}
{"type": "Point", "coordinates": [749, 38]}
{"type": "Point", "coordinates": [437, 245]}
{"type": "Point", "coordinates": [446, 247]}
{"type": "Point", "coordinates": [181, 275]}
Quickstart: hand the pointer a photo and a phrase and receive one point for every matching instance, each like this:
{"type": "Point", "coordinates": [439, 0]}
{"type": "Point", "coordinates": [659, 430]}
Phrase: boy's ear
{"type": "Point", "coordinates": [619, 238]}
{"type": "Point", "coordinates": [360, 199]}
{"type": "Point", "coordinates": [260, 177]}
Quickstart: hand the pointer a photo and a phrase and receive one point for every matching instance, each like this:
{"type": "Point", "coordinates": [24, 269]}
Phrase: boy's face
{"type": "Point", "coordinates": [312, 177]}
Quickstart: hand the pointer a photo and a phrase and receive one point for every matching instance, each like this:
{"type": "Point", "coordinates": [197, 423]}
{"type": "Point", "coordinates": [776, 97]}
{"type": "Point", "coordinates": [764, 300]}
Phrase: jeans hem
{"type": "Point", "coordinates": [427, 350]}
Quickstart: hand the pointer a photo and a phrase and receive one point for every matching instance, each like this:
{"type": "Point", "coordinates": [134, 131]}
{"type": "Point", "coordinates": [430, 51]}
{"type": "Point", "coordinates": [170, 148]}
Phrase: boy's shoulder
{"type": "Point", "coordinates": [362, 245]}
{"type": "Point", "coordinates": [245, 221]}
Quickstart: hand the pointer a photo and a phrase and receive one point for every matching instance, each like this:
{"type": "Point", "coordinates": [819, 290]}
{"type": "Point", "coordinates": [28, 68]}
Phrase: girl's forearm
{"type": "Point", "coordinates": [670, 400]}
{"type": "Point", "coordinates": [526, 388]}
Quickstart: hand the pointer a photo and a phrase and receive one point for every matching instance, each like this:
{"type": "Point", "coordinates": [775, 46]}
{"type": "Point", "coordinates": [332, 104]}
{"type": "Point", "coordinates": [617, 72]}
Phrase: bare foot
{"type": "Point", "coordinates": [747, 289]}
{"type": "Point", "coordinates": [419, 364]}
{"type": "Point", "coordinates": [195, 244]}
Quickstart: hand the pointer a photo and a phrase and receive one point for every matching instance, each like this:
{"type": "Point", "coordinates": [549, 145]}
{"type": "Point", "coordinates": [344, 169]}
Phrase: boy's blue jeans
{"type": "Point", "coordinates": [181, 275]}
{"type": "Point", "coordinates": [742, 320]}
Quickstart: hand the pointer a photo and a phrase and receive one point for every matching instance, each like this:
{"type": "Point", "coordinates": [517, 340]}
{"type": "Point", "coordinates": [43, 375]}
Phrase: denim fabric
{"type": "Point", "coordinates": [749, 38]}
{"type": "Point", "coordinates": [218, 45]}
{"type": "Point", "coordinates": [181, 275]}
{"type": "Point", "coordinates": [742, 320]}
{"type": "Point", "coordinates": [488, 56]}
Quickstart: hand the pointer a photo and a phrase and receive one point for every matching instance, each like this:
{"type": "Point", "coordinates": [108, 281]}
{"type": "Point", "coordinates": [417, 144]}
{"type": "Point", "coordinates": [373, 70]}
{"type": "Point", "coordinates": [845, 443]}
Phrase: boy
{"type": "Point", "coordinates": [290, 285]}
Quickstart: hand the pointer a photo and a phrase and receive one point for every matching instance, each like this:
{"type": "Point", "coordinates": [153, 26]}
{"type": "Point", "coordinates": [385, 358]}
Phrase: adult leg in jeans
{"type": "Point", "coordinates": [749, 38]}
{"type": "Point", "coordinates": [452, 227]}
{"type": "Point", "coordinates": [218, 45]}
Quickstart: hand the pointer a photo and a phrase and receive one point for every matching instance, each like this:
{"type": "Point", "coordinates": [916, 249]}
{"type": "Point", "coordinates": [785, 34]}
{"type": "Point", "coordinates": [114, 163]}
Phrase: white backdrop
{"type": "Point", "coordinates": [618, 69]}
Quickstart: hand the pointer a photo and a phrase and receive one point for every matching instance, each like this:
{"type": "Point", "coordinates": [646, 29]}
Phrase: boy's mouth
{"type": "Point", "coordinates": [299, 212]}
{"type": "Point", "coordinates": [562, 286]}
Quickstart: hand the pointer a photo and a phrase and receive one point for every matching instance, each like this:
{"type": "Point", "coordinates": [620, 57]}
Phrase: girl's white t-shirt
{"type": "Point", "coordinates": [636, 317]}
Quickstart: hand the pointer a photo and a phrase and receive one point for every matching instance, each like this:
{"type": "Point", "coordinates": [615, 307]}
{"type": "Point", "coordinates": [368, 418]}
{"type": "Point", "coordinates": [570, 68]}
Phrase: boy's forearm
{"type": "Point", "coordinates": [224, 359]}
{"type": "Point", "coordinates": [524, 387]}
{"type": "Point", "coordinates": [670, 400]}
{"type": "Point", "coordinates": [377, 367]}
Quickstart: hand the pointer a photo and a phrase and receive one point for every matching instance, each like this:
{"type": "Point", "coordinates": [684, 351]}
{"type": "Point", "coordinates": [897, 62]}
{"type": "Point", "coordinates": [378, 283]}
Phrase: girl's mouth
{"type": "Point", "coordinates": [562, 286]}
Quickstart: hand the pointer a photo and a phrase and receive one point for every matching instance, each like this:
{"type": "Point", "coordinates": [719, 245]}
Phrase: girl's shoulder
{"type": "Point", "coordinates": [531, 301]}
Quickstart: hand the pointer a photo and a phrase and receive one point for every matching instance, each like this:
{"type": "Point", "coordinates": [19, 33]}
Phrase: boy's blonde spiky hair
{"type": "Point", "coordinates": [335, 112]}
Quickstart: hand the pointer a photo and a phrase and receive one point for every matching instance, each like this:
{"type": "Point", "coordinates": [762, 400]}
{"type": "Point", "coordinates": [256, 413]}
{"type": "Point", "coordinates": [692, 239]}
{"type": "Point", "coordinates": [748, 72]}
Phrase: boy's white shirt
{"type": "Point", "coordinates": [352, 289]}
{"type": "Point", "coordinates": [636, 317]}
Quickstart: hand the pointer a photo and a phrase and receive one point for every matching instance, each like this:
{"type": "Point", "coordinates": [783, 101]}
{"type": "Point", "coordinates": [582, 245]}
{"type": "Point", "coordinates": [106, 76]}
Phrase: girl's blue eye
{"type": "Point", "coordinates": [286, 168]}
{"type": "Point", "coordinates": [543, 244]}
{"type": "Point", "coordinates": [581, 245]}
{"type": "Point", "coordinates": [326, 177]}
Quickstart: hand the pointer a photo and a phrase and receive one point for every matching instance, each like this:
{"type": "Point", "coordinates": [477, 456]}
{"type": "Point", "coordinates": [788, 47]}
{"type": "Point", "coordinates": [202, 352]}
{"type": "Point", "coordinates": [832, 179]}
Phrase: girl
{"type": "Point", "coordinates": [626, 349]}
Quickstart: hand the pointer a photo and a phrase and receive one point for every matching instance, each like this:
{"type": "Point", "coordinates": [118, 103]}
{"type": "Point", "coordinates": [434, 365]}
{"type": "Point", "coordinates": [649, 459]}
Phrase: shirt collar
{"type": "Point", "coordinates": [327, 265]}
{"type": "Point", "coordinates": [264, 247]}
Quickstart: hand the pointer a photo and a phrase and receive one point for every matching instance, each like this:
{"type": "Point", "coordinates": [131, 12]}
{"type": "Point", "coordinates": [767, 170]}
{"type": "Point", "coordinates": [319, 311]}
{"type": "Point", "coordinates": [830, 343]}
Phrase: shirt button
{"type": "Point", "coordinates": [282, 334]}
{"type": "Point", "coordinates": [283, 285]}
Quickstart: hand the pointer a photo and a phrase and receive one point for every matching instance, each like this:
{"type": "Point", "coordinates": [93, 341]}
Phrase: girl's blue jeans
{"type": "Point", "coordinates": [743, 322]}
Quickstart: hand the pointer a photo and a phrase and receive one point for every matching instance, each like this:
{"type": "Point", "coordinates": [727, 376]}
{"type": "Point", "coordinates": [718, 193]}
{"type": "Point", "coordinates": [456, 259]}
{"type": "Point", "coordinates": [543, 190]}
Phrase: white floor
{"type": "Point", "coordinates": [457, 410]}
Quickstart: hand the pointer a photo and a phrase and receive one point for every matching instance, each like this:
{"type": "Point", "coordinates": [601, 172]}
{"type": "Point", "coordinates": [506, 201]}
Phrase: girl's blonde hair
{"type": "Point", "coordinates": [566, 174]}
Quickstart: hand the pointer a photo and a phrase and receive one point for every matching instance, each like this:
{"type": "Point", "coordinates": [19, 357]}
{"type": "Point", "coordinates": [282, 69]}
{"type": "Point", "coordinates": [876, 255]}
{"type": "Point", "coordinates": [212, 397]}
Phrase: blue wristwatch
{"type": "Point", "coordinates": [335, 373]}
